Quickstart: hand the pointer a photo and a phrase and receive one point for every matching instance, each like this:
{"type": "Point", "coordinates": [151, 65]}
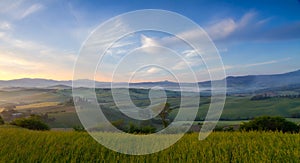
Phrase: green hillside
{"type": "Point", "coordinates": [242, 108]}
{"type": "Point", "coordinates": [57, 104]}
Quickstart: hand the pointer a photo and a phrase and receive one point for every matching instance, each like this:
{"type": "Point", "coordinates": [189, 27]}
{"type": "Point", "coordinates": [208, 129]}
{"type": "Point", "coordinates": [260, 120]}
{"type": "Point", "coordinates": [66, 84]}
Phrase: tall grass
{"type": "Point", "coordinates": [21, 145]}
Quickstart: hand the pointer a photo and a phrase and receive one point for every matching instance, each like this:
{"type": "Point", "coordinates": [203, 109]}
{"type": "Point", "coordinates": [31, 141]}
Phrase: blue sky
{"type": "Point", "coordinates": [41, 39]}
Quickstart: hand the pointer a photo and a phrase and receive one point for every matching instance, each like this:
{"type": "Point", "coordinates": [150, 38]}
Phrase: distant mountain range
{"type": "Point", "coordinates": [234, 83]}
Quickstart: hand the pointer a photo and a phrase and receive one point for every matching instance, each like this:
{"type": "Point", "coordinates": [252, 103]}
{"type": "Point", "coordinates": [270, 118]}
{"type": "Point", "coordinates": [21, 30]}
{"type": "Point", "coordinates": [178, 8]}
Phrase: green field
{"type": "Point", "coordinates": [21, 145]}
{"type": "Point", "coordinates": [55, 103]}
{"type": "Point", "coordinates": [242, 108]}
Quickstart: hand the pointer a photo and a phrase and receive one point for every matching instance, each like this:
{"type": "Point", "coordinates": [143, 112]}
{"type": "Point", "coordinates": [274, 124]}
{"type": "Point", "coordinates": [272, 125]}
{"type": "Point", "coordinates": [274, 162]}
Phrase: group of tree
{"type": "Point", "coordinates": [33, 122]}
{"type": "Point", "coordinates": [267, 123]}
{"type": "Point", "coordinates": [140, 130]}
{"type": "Point", "coordinates": [260, 97]}
{"type": "Point", "coordinates": [267, 96]}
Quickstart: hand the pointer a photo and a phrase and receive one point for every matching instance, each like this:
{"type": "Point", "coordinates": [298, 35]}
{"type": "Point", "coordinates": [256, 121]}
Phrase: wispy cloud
{"type": "Point", "coordinates": [31, 10]}
{"type": "Point", "coordinates": [19, 9]}
{"type": "Point", "coordinates": [250, 28]}
{"type": "Point", "coordinates": [203, 74]}
{"type": "Point", "coordinates": [225, 28]}
{"type": "Point", "coordinates": [5, 25]}
{"type": "Point", "coordinates": [153, 70]}
{"type": "Point", "coordinates": [264, 63]}
{"type": "Point", "coordinates": [259, 63]}
{"type": "Point", "coordinates": [148, 42]}
{"type": "Point", "coordinates": [23, 58]}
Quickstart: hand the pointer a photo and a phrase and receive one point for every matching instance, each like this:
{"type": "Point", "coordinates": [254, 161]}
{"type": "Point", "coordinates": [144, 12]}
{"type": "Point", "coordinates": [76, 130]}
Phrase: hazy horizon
{"type": "Point", "coordinates": [152, 81]}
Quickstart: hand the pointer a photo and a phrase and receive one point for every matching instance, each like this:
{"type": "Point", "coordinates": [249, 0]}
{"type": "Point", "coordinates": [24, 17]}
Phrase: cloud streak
{"type": "Point", "coordinates": [259, 63]}
{"type": "Point", "coordinates": [31, 10]}
{"type": "Point", "coordinates": [19, 9]}
{"type": "Point", "coordinates": [250, 28]}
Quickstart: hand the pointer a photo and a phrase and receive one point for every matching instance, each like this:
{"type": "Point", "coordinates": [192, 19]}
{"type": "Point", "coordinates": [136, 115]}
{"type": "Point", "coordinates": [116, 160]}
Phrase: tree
{"type": "Point", "coordinates": [32, 123]}
{"type": "Point", "coordinates": [164, 114]}
{"type": "Point", "coordinates": [1, 121]}
{"type": "Point", "coordinates": [267, 123]}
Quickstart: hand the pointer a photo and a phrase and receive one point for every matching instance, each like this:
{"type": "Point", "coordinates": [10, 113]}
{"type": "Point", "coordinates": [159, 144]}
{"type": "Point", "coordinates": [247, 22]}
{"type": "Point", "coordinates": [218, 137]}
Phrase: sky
{"type": "Point", "coordinates": [42, 39]}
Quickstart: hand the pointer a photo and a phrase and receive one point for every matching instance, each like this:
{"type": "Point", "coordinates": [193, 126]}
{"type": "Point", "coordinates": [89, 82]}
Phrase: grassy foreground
{"type": "Point", "coordinates": [20, 145]}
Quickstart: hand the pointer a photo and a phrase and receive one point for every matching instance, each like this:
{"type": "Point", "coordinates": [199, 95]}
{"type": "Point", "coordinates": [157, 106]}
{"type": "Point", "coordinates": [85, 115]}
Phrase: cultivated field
{"type": "Point", "coordinates": [21, 145]}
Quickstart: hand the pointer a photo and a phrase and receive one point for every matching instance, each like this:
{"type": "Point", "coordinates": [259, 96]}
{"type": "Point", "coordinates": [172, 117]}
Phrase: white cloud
{"type": "Point", "coordinates": [17, 43]}
{"type": "Point", "coordinates": [225, 27]}
{"type": "Point", "coordinates": [222, 29]}
{"type": "Point", "coordinates": [153, 70]}
{"type": "Point", "coordinates": [180, 66]}
{"type": "Point", "coordinates": [190, 53]}
{"type": "Point", "coordinates": [148, 42]}
{"type": "Point", "coordinates": [217, 30]}
{"type": "Point", "coordinates": [247, 18]}
{"type": "Point", "coordinates": [19, 9]}
{"type": "Point", "coordinates": [5, 26]}
{"type": "Point", "coordinates": [31, 10]}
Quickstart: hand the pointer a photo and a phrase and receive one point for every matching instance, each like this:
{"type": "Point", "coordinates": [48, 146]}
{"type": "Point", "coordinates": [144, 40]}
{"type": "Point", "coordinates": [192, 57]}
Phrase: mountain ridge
{"type": "Point", "coordinates": [247, 82]}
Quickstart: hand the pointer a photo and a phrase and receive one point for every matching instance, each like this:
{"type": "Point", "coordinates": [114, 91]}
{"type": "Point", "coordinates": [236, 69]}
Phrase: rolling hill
{"type": "Point", "coordinates": [235, 84]}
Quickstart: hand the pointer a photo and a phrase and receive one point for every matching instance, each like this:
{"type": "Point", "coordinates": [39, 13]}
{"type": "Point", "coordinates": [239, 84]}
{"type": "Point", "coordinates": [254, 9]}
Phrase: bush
{"type": "Point", "coordinates": [32, 123]}
{"type": "Point", "coordinates": [267, 123]}
{"type": "Point", "coordinates": [147, 129]}
{"type": "Point", "coordinates": [224, 128]}
{"type": "Point", "coordinates": [1, 121]}
{"type": "Point", "coordinates": [79, 128]}
{"type": "Point", "coordinates": [140, 130]}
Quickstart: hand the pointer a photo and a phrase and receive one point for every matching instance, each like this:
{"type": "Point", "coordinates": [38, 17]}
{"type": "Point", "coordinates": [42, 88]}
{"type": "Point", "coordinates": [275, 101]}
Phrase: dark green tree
{"type": "Point", "coordinates": [32, 123]}
{"type": "Point", "coordinates": [267, 123]}
{"type": "Point", "coordinates": [164, 114]}
{"type": "Point", "coordinates": [1, 121]}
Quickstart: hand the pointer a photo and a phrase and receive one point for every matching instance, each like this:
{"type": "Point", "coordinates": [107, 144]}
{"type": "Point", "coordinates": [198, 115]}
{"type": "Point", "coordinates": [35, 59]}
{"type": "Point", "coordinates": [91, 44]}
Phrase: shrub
{"type": "Point", "coordinates": [140, 130]}
{"type": "Point", "coordinates": [147, 129]}
{"type": "Point", "coordinates": [32, 123]}
{"type": "Point", "coordinates": [119, 124]}
{"type": "Point", "coordinates": [79, 128]}
{"type": "Point", "coordinates": [267, 123]}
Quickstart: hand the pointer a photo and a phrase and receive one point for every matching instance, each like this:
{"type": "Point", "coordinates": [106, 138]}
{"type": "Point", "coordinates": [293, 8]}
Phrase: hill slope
{"type": "Point", "coordinates": [234, 83]}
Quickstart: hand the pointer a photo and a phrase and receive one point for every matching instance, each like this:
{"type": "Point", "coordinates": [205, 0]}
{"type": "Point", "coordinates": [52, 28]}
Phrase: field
{"type": "Point", "coordinates": [37, 105]}
{"type": "Point", "coordinates": [21, 145]}
{"type": "Point", "coordinates": [63, 145]}
{"type": "Point", "coordinates": [242, 108]}
{"type": "Point", "coordinates": [56, 103]}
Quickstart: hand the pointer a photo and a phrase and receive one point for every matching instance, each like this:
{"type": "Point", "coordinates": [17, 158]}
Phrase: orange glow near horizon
{"type": "Point", "coordinates": [67, 76]}
{"type": "Point", "coordinates": [6, 76]}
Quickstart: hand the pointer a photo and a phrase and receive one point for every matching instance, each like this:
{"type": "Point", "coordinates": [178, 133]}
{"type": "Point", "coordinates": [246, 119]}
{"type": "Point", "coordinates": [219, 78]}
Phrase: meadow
{"type": "Point", "coordinates": [22, 145]}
